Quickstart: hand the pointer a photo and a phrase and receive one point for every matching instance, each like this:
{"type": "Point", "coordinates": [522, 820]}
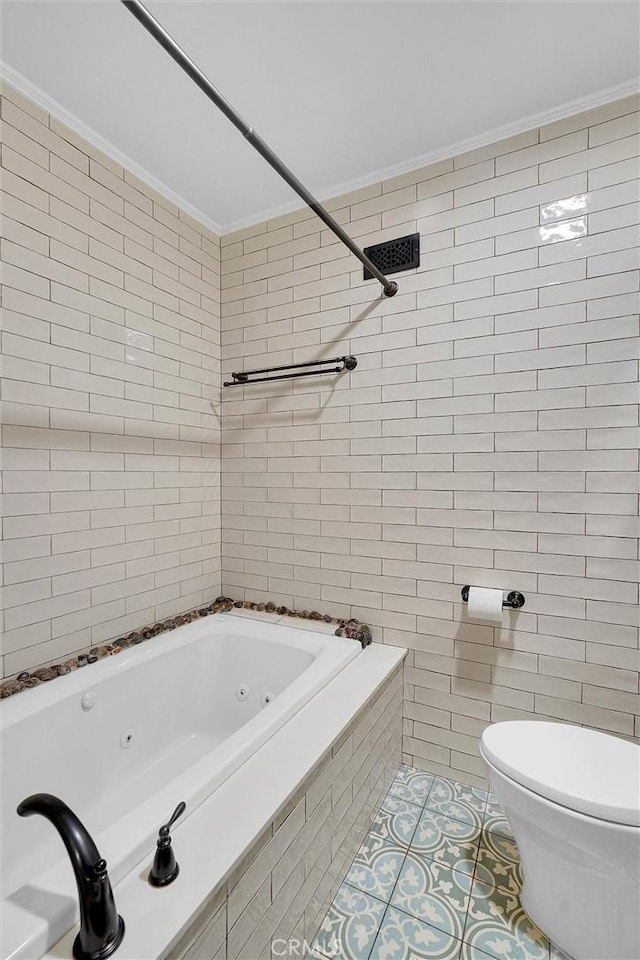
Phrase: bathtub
{"type": "Point", "coordinates": [122, 741]}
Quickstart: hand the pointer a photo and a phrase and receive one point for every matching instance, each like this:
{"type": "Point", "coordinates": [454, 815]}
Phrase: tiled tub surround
{"type": "Point", "coordinates": [27, 680]}
{"type": "Point", "coordinates": [437, 876]}
{"type": "Point", "coordinates": [284, 885]}
{"type": "Point", "coordinates": [488, 436]}
{"type": "Point", "coordinates": [263, 856]}
{"type": "Point", "coordinates": [111, 356]}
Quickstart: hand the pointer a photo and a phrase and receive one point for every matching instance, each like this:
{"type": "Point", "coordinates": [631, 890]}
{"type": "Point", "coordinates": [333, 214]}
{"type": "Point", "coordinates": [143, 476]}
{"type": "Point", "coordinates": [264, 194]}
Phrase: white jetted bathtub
{"type": "Point", "coordinates": [124, 740]}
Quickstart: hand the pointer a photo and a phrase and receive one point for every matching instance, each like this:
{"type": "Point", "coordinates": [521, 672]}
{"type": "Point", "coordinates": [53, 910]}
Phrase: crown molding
{"type": "Point", "coordinates": [598, 99]}
{"type": "Point", "coordinates": [51, 106]}
{"type": "Point", "coordinates": [582, 104]}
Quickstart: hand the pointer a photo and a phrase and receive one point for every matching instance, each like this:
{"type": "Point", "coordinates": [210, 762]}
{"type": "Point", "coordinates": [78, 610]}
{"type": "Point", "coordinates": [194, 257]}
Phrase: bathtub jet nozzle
{"type": "Point", "coordinates": [101, 928]}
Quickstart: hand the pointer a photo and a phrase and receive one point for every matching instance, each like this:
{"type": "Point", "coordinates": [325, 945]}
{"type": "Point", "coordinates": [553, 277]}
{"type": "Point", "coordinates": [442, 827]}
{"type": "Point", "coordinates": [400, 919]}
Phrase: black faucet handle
{"type": "Point", "coordinates": [179, 810]}
{"type": "Point", "coordinates": [165, 869]}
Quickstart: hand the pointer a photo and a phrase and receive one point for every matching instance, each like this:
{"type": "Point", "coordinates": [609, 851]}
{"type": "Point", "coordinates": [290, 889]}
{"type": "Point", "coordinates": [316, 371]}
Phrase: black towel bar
{"type": "Point", "coordinates": [244, 377]}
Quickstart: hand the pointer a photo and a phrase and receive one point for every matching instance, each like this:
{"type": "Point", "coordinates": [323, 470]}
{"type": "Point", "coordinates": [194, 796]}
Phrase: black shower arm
{"type": "Point", "coordinates": [140, 12]}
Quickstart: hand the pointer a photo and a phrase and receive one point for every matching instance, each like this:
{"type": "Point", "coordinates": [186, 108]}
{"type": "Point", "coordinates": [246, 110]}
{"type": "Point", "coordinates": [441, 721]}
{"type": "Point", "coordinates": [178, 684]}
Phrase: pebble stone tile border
{"type": "Point", "coordinates": [28, 679]}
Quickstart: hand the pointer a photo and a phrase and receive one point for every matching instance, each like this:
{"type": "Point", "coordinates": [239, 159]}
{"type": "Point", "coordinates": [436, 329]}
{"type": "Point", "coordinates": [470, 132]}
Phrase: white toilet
{"type": "Point", "coordinates": [572, 798]}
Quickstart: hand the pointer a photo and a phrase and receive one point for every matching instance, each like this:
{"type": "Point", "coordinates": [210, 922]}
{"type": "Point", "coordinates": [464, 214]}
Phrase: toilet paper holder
{"type": "Point", "coordinates": [514, 600]}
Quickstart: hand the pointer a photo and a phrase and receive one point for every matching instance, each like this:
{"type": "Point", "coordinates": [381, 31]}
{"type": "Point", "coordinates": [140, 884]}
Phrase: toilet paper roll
{"type": "Point", "coordinates": [485, 603]}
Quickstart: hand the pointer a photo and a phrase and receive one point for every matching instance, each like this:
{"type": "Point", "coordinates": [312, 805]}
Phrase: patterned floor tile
{"type": "Point", "coordinates": [350, 926]}
{"type": "Point", "coordinates": [445, 855]}
{"type": "Point", "coordinates": [498, 863]}
{"type": "Point", "coordinates": [498, 926]}
{"type": "Point", "coordinates": [376, 867]}
{"type": "Point", "coordinates": [472, 953]}
{"type": "Point", "coordinates": [457, 801]}
{"type": "Point", "coordinates": [433, 893]}
{"type": "Point", "coordinates": [495, 820]}
{"type": "Point", "coordinates": [396, 821]}
{"type": "Point", "coordinates": [447, 841]}
{"type": "Point", "coordinates": [412, 785]}
{"type": "Point", "coordinates": [403, 937]}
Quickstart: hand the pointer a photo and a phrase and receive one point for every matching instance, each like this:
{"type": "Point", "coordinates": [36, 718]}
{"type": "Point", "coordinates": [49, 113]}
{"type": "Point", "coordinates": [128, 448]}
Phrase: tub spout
{"type": "Point", "coordinates": [101, 929]}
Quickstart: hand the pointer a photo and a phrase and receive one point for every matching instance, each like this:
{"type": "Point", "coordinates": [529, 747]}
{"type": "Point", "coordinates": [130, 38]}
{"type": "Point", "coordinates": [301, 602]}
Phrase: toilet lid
{"type": "Point", "coordinates": [590, 772]}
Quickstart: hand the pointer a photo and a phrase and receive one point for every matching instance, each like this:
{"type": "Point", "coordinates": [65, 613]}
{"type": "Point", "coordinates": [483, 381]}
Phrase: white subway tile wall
{"type": "Point", "coordinates": [111, 386]}
{"type": "Point", "coordinates": [488, 436]}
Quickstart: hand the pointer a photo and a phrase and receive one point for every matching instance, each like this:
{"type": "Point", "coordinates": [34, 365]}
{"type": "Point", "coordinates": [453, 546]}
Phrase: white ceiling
{"type": "Point", "coordinates": [342, 91]}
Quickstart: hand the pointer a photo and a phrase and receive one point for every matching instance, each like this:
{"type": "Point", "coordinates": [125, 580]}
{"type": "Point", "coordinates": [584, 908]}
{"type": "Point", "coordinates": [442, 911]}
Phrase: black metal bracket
{"type": "Point", "coordinates": [514, 600]}
{"type": "Point", "coordinates": [245, 377]}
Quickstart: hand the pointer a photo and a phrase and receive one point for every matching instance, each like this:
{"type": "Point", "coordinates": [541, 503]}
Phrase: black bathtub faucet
{"type": "Point", "coordinates": [101, 929]}
{"type": "Point", "coordinates": [165, 869]}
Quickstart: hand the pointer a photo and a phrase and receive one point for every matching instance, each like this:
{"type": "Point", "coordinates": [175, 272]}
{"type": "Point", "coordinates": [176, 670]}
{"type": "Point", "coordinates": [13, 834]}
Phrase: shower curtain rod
{"type": "Point", "coordinates": [140, 12]}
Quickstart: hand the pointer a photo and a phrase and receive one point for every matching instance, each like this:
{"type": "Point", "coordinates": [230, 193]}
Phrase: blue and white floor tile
{"type": "Point", "coordinates": [468, 952]}
{"type": "Point", "coordinates": [447, 841]}
{"type": "Point", "coordinates": [403, 937]}
{"type": "Point", "coordinates": [433, 892]}
{"type": "Point", "coordinates": [498, 863]}
{"type": "Point", "coordinates": [457, 801]}
{"type": "Point", "coordinates": [497, 925]}
{"type": "Point", "coordinates": [350, 926]}
{"type": "Point", "coordinates": [438, 877]}
{"type": "Point", "coordinates": [376, 867]}
{"type": "Point", "coordinates": [412, 785]}
{"type": "Point", "coordinates": [396, 821]}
